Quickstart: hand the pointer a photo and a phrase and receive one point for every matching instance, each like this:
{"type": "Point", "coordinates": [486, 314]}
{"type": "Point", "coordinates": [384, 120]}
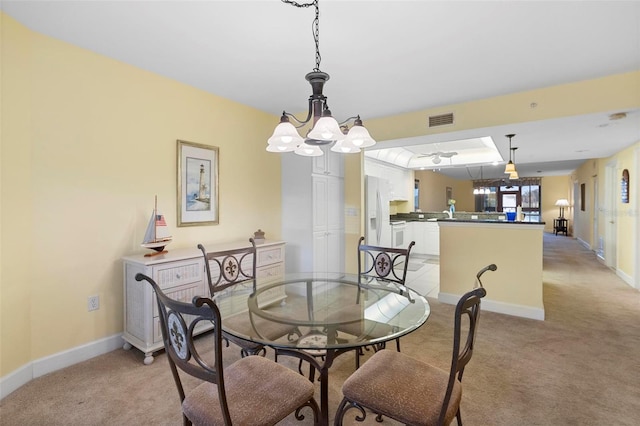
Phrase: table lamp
{"type": "Point", "coordinates": [562, 203]}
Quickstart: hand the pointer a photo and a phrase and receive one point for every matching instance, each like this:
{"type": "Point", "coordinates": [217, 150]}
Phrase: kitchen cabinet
{"type": "Point", "coordinates": [400, 180]}
{"type": "Point", "coordinates": [427, 237]}
{"type": "Point", "coordinates": [313, 212]}
{"type": "Point", "coordinates": [329, 164]}
{"type": "Point", "coordinates": [181, 276]}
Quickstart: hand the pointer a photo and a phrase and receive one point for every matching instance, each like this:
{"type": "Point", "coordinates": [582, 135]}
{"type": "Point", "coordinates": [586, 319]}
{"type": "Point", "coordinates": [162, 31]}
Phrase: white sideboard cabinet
{"type": "Point", "coordinates": [181, 275]}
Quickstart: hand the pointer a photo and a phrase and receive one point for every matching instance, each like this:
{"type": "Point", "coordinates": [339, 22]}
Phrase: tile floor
{"type": "Point", "coordinates": [423, 275]}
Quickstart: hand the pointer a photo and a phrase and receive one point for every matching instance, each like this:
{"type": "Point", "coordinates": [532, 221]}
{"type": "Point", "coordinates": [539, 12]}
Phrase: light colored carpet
{"type": "Point", "coordinates": [581, 366]}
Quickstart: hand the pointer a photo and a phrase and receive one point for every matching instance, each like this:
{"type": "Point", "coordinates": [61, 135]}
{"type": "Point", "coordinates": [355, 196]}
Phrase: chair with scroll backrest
{"type": "Point", "coordinates": [410, 391]}
{"type": "Point", "coordinates": [237, 267]}
{"type": "Point", "coordinates": [382, 266]}
{"type": "Point", "coordinates": [252, 390]}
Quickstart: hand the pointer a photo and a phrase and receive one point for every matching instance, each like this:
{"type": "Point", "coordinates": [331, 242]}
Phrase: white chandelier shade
{"type": "Point", "coordinates": [345, 147]}
{"type": "Point", "coordinates": [307, 150]}
{"type": "Point", "coordinates": [359, 136]}
{"type": "Point", "coordinates": [326, 129]}
{"type": "Point", "coordinates": [285, 137]}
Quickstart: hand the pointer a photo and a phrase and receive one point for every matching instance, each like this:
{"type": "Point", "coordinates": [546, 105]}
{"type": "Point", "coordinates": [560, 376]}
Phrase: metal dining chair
{"type": "Point", "coordinates": [385, 266]}
{"type": "Point", "coordinates": [237, 267]}
{"type": "Point", "coordinates": [410, 391]}
{"type": "Point", "coordinates": [252, 390]}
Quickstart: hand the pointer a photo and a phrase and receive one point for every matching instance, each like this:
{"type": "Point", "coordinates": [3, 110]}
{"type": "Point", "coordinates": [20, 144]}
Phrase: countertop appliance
{"type": "Point", "coordinates": [378, 228]}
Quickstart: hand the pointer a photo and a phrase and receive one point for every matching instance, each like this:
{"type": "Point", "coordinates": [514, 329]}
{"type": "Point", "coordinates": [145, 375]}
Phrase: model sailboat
{"type": "Point", "coordinates": [157, 235]}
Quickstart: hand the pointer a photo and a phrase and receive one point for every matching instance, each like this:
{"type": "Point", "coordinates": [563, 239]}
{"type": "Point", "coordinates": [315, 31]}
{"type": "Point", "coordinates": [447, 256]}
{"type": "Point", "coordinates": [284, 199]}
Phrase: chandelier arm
{"type": "Point", "coordinates": [301, 123]}
{"type": "Point", "coordinates": [355, 117]}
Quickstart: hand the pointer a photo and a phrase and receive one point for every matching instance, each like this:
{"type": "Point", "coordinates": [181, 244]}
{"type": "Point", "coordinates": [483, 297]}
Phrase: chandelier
{"type": "Point", "coordinates": [481, 189]}
{"type": "Point", "coordinates": [326, 129]}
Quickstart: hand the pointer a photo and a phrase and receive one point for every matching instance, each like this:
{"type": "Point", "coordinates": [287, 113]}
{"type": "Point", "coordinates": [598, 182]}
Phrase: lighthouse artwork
{"type": "Point", "coordinates": [197, 184]}
{"type": "Point", "coordinates": [198, 188]}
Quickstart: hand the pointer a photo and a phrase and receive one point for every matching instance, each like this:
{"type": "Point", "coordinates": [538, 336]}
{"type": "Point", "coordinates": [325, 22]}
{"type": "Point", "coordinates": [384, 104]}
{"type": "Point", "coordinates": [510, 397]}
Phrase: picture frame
{"type": "Point", "coordinates": [448, 193]}
{"type": "Point", "coordinates": [624, 187]}
{"type": "Point", "coordinates": [198, 201]}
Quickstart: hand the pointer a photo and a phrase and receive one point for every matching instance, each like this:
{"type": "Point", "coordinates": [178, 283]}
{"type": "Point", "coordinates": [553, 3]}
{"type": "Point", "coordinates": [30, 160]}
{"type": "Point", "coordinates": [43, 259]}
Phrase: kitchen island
{"type": "Point", "coordinates": [466, 246]}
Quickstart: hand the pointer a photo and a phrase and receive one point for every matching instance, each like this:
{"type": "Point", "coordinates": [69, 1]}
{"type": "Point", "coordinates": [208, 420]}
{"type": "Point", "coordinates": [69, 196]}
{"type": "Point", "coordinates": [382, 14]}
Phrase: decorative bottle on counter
{"type": "Point", "coordinates": [452, 208]}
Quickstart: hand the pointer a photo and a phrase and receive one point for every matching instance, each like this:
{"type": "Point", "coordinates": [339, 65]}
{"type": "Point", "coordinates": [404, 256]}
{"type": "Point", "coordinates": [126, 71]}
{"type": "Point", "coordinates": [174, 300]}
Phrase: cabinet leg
{"type": "Point", "coordinates": [148, 358]}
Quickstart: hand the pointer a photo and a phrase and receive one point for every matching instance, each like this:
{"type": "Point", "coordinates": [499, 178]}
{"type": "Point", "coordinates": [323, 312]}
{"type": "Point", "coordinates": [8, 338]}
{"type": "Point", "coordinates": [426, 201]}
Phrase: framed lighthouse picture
{"type": "Point", "coordinates": [197, 184]}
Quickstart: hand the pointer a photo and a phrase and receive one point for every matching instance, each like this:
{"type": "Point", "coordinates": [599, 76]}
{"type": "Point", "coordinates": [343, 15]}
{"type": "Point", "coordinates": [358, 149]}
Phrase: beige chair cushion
{"type": "Point", "coordinates": [403, 388]}
{"type": "Point", "coordinates": [259, 392]}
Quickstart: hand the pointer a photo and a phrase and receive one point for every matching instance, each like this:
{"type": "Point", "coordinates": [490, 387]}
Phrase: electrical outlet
{"type": "Point", "coordinates": [93, 303]}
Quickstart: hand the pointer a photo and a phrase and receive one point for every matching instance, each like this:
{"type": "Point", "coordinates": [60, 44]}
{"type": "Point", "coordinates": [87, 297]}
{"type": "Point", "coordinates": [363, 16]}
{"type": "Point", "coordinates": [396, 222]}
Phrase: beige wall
{"type": "Point", "coordinates": [86, 144]}
{"type": "Point", "coordinates": [616, 92]}
{"type": "Point", "coordinates": [16, 231]}
{"type": "Point", "coordinates": [88, 141]}
{"type": "Point", "coordinates": [516, 249]}
{"type": "Point", "coordinates": [607, 209]}
{"type": "Point", "coordinates": [554, 188]}
{"type": "Point", "coordinates": [433, 189]}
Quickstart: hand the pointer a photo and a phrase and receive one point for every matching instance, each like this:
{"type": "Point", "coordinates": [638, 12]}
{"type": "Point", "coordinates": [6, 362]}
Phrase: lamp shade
{"type": "Point", "coordinates": [562, 202]}
{"type": "Point", "coordinates": [326, 129]}
{"type": "Point", "coordinates": [510, 167]}
{"type": "Point", "coordinates": [281, 147]}
{"type": "Point", "coordinates": [285, 134]}
{"type": "Point", "coordinates": [345, 147]}
{"type": "Point", "coordinates": [360, 137]}
{"type": "Point", "coordinates": [307, 150]}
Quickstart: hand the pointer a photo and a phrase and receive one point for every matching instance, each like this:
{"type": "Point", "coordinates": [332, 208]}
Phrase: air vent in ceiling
{"type": "Point", "coordinates": [441, 120]}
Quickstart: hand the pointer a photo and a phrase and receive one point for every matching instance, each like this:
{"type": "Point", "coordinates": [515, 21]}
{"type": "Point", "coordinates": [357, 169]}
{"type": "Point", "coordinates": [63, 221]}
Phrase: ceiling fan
{"type": "Point", "coordinates": [437, 156]}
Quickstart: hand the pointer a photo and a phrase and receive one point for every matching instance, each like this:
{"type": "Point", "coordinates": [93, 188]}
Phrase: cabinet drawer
{"type": "Point", "coordinates": [269, 274]}
{"type": "Point", "coordinates": [267, 256]}
{"type": "Point", "coordinates": [184, 294]}
{"type": "Point", "coordinates": [272, 296]}
{"type": "Point", "coordinates": [179, 273]}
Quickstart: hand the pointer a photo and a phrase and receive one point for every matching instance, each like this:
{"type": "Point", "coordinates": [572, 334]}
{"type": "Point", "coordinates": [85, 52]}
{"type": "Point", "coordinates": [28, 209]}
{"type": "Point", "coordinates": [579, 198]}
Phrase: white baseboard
{"type": "Point", "coordinates": [626, 278]}
{"type": "Point", "coordinates": [584, 243]}
{"type": "Point", "coordinates": [51, 363]}
{"type": "Point", "coordinates": [499, 307]}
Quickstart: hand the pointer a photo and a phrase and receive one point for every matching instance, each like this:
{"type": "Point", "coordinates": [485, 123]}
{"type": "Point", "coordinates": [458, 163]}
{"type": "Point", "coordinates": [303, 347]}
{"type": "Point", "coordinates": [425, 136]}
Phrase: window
{"type": "Point", "coordinates": [503, 197]}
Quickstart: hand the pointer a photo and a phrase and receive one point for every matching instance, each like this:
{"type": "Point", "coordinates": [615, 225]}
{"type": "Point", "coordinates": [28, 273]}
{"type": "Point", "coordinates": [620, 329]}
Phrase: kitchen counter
{"type": "Point", "coordinates": [474, 217]}
{"type": "Point", "coordinates": [457, 216]}
{"type": "Point", "coordinates": [466, 246]}
{"type": "Point", "coordinates": [484, 221]}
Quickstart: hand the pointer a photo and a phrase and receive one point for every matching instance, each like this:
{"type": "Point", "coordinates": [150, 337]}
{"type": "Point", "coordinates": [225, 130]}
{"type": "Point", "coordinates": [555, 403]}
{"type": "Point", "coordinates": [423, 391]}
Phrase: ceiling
{"type": "Point", "coordinates": [384, 58]}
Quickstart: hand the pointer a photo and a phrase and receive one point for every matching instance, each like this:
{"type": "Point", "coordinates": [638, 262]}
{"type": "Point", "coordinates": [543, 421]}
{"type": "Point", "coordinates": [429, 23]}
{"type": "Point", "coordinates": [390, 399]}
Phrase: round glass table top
{"type": "Point", "coordinates": [319, 311]}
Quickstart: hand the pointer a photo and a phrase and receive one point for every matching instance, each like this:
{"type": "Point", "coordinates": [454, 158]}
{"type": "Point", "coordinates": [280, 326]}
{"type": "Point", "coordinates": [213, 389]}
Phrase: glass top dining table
{"type": "Point", "coordinates": [306, 315]}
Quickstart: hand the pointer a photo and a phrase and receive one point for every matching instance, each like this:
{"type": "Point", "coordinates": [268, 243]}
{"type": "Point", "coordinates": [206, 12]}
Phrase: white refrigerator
{"type": "Point", "coordinates": [378, 228]}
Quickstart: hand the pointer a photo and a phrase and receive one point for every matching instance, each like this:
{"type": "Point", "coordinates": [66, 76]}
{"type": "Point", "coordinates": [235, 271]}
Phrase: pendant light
{"type": "Point", "coordinates": [326, 130]}
{"type": "Point", "coordinates": [510, 167]}
{"type": "Point", "coordinates": [514, 173]}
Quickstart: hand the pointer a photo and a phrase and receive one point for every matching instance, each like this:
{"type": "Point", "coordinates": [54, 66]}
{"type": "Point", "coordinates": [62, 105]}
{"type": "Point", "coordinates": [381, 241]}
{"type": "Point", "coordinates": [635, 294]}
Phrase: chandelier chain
{"type": "Point", "coordinates": [315, 27]}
